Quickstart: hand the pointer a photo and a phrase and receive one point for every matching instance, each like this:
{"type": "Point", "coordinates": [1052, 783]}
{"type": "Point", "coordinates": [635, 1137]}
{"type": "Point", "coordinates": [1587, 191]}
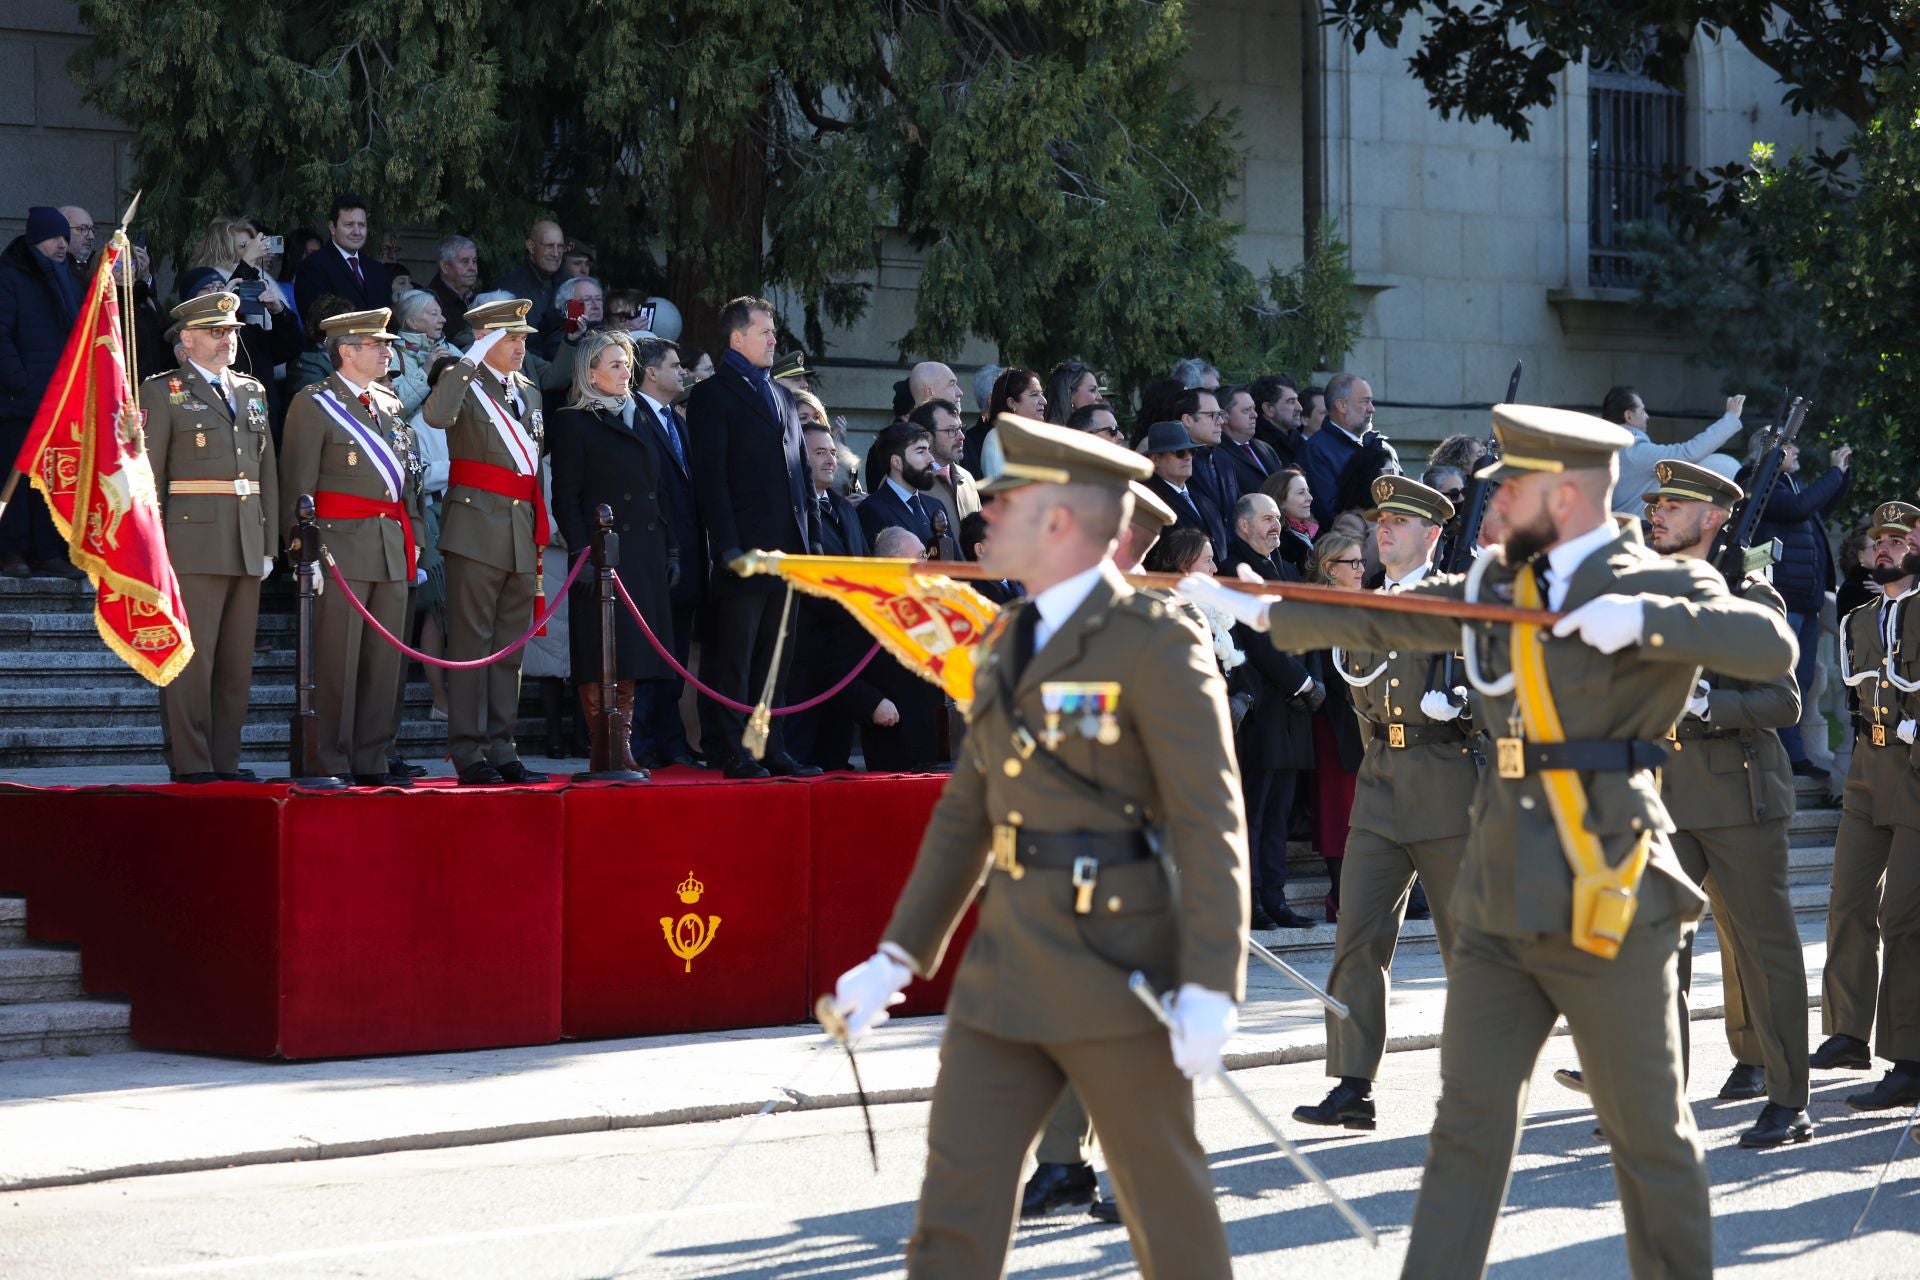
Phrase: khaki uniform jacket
{"type": "Point", "coordinates": [1031, 971]}
{"type": "Point", "coordinates": [194, 440]}
{"type": "Point", "coordinates": [1515, 881]}
{"type": "Point", "coordinates": [1708, 782]}
{"type": "Point", "coordinates": [477, 524]}
{"type": "Point", "coordinates": [1889, 776]}
{"type": "Point", "coordinates": [319, 456]}
{"type": "Point", "coordinates": [1411, 793]}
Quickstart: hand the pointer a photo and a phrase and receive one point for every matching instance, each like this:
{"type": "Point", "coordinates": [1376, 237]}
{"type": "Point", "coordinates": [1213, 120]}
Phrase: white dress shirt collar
{"type": "Point", "coordinates": [904, 493]}
{"type": "Point", "coordinates": [1418, 572]}
{"type": "Point", "coordinates": [1565, 560]}
{"type": "Point", "coordinates": [652, 404]}
{"type": "Point", "coordinates": [1058, 602]}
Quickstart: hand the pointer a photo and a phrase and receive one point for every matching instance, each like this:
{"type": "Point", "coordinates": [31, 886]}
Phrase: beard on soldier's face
{"type": "Point", "coordinates": [1885, 573]}
{"type": "Point", "coordinates": [1524, 542]}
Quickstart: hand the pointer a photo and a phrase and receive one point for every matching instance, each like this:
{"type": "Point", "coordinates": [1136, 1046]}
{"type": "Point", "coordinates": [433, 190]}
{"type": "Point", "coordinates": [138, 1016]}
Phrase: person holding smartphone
{"type": "Point", "coordinates": [230, 257]}
{"type": "Point", "coordinates": [582, 301]}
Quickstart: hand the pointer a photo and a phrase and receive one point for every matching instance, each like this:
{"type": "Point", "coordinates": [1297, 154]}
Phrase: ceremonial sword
{"type": "Point", "coordinates": [1337, 1008]}
{"type": "Point", "coordinates": [1143, 989]}
{"type": "Point", "coordinates": [1898, 1145]}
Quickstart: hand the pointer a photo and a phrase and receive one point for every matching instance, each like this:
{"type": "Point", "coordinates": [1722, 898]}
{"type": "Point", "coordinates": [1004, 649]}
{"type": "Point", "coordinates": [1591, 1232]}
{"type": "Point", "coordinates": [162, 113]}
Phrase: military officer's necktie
{"type": "Point", "coordinates": [1024, 627]}
{"type": "Point", "coordinates": [220, 394]}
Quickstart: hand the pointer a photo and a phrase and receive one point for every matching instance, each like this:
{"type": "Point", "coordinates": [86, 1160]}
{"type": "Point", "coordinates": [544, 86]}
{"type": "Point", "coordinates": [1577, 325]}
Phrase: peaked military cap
{"type": "Point", "coordinates": [208, 311]}
{"type": "Point", "coordinates": [1535, 438]}
{"type": "Point", "coordinates": [1149, 511]}
{"type": "Point", "coordinates": [1691, 482]}
{"type": "Point", "coordinates": [360, 324]}
{"type": "Point", "coordinates": [1900, 517]}
{"type": "Point", "coordinates": [508, 313]}
{"type": "Point", "coordinates": [1409, 497]}
{"type": "Point", "coordinates": [792, 365]}
{"type": "Point", "coordinates": [1041, 453]}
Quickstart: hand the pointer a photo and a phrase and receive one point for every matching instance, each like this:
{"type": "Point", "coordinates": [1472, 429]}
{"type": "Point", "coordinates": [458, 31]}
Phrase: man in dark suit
{"type": "Point", "coordinates": [750, 479]}
{"type": "Point", "coordinates": [454, 285]}
{"type": "Point", "coordinates": [1200, 413]}
{"type": "Point", "coordinates": [1245, 457]}
{"type": "Point", "coordinates": [1170, 449]}
{"type": "Point", "coordinates": [1276, 407]}
{"type": "Point", "coordinates": [1276, 739]}
{"type": "Point", "coordinates": [660, 736]}
{"type": "Point", "coordinates": [953, 487]}
{"type": "Point", "coordinates": [973, 532]}
{"type": "Point", "coordinates": [537, 278]}
{"type": "Point", "coordinates": [900, 483]}
{"type": "Point", "coordinates": [341, 267]}
{"type": "Point", "coordinates": [829, 639]}
{"type": "Point", "coordinates": [1326, 453]}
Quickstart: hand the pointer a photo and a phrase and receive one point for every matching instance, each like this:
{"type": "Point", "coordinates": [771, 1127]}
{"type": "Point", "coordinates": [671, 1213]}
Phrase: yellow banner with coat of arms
{"type": "Point", "coordinates": [931, 624]}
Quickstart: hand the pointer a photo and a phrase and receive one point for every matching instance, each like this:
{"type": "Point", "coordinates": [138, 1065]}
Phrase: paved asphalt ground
{"type": "Point", "coordinates": [793, 1195]}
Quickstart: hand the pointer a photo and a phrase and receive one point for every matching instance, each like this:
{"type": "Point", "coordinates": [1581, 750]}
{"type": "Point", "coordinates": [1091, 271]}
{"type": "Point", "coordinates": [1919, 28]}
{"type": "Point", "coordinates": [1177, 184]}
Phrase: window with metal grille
{"type": "Point", "coordinates": [1635, 143]}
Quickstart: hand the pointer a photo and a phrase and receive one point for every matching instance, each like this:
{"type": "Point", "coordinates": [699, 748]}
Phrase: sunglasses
{"type": "Point", "coordinates": [1174, 453]}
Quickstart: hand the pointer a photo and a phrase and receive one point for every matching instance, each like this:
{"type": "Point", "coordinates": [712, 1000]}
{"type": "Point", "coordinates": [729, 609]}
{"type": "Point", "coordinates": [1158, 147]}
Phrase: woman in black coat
{"type": "Point", "coordinates": [598, 458]}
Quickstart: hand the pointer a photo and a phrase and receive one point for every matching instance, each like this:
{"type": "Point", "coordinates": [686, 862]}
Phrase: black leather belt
{"type": "Point", "coordinates": [1416, 735]}
{"type": "Point", "coordinates": [1596, 755]}
{"type": "Point", "coordinates": [1061, 849]}
{"type": "Point", "coordinates": [1693, 727]}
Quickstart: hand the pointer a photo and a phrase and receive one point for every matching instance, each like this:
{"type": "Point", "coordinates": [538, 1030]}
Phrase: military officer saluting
{"type": "Point", "coordinates": [1877, 850]}
{"type": "Point", "coordinates": [1409, 808]}
{"type": "Point", "coordinates": [1569, 899]}
{"type": "Point", "coordinates": [491, 535]}
{"type": "Point", "coordinates": [1099, 754]}
{"type": "Point", "coordinates": [211, 450]}
{"type": "Point", "coordinates": [346, 445]}
{"type": "Point", "coordinates": [1728, 787]}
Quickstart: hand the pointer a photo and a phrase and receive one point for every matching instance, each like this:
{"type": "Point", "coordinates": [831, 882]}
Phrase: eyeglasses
{"type": "Point", "coordinates": [1453, 495]}
{"type": "Point", "coordinates": [622, 314]}
{"type": "Point", "coordinates": [1112, 433]}
{"type": "Point", "coordinates": [1215, 414]}
{"type": "Point", "coordinates": [1355, 562]}
{"type": "Point", "coordinates": [950, 431]}
{"type": "Point", "coordinates": [1174, 453]}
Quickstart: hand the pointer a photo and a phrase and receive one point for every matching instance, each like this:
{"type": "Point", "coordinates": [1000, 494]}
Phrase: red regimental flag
{"type": "Point", "coordinates": [87, 454]}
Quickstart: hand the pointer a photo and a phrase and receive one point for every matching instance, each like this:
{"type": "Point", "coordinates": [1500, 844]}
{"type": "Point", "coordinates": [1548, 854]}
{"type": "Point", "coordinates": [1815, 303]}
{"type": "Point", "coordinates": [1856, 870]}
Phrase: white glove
{"type": "Point", "coordinates": [1436, 705]}
{"type": "Point", "coordinates": [1203, 1022]}
{"type": "Point", "coordinates": [266, 568]}
{"type": "Point", "coordinates": [1905, 732]}
{"type": "Point", "coordinates": [477, 353]}
{"type": "Point", "coordinates": [1609, 623]}
{"type": "Point", "coordinates": [865, 993]}
{"type": "Point", "coordinates": [319, 583]}
{"type": "Point", "coordinates": [1697, 704]}
{"type": "Point", "coordinates": [1248, 610]}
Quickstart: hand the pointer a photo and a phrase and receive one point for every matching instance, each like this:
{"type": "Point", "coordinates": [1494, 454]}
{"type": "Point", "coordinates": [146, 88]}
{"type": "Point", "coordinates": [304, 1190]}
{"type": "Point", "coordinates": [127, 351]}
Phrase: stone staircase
{"type": "Point", "coordinates": [67, 700]}
{"type": "Point", "coordinates": [43, 1011]}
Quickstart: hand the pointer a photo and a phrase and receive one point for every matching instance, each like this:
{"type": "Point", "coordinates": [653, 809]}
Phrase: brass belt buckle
{"type": "Point", "coordinates": [1396, 734]}
{"type": "Point", "coordinates": [1879, 735]}
{"type": "Point", "coordinates": [1006, 850]}
{"type": "Point", "coordinates": [1512, 761]}
{"type": "Point", "coordinates": [1086, 874]}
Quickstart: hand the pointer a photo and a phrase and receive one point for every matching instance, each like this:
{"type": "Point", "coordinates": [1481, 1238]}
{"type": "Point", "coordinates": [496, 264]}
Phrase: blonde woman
{"type": "Point", "coordinates": [1339, 560]}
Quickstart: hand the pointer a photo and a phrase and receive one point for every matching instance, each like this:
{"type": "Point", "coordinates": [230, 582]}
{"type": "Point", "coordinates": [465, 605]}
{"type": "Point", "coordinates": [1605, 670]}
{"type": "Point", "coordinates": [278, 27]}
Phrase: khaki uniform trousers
{"type": "Point", "coordinates": [988, 1103]}
{"type": "Point", "coordinates": [1862, 857]}
{"type": "Point", "coordinates": [487, 609]}
{"type": "Point", "coordinates": [1502, 999]}
{"type": "Point", "coordinates": [1068, 1135]}
{"type": "Point", "coordinates": [356, 674]}
{"type": "Point", "coordinates": [1375, 881]}
{"type": "Point", "coordinates": [1744, 871]}
{"type": "Point", "coordinates": [206, 704]}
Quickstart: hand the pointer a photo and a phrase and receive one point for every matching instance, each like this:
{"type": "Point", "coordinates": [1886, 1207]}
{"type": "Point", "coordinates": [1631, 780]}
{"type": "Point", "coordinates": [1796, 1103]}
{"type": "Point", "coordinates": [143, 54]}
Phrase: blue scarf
{"type": "Point", "coordinates": [761, 378]}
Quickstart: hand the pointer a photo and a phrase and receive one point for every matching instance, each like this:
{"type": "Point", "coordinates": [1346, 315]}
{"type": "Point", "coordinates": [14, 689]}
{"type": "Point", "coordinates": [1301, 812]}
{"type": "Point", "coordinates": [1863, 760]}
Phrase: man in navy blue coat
{"type": "Point", "coordinates": [659, 735]}
{"type": "Point", "coordinates": [900, 483]}
{"type": "Point", "coordinates": [1325, 453]}
{"type": "Point", "coordinates": [39, 302]}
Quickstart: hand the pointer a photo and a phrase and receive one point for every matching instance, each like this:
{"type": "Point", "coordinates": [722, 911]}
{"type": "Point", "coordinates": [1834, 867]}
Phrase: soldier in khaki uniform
{"type": "Point", "coordinates": [1573, 785]}
{"type": "Point", "coordinates": [1872, 894]}
{"type": "Point", "coordinates": [1098, 756]}
{"type": "Point", "coordinates": [1063, 1177]}
{"type": "Point", "coordinates": [346, 444]}
{"type": "Point", "coordinates": [491, 535]}
{"type": "Point", "coordinates": [1409, 809]}
{"type": "Point", "coordinates": [211, 450]}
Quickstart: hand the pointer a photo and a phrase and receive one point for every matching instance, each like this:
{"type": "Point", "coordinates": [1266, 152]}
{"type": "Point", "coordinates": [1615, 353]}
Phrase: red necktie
{"type": "Point", "coordinates": [353, 260]}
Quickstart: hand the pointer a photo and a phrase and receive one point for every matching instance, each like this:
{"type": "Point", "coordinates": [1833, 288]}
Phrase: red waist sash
{"type": "Point", "coordinates": [506, 483]}
{"type": "Point", "coordinates": [349, 506]}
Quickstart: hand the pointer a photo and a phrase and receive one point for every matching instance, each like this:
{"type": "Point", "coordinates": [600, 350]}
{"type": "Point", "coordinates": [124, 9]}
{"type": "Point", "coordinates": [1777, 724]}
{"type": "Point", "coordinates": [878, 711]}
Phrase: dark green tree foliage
{"type": "Point", "coordinates": [1065, 192]}
{"type": "Point", "coordinates": [1499, 59]}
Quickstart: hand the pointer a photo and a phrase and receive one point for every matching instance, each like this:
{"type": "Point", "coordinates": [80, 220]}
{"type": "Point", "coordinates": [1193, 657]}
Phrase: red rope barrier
{"type": "Point", "coordinates": [559, 600]}
{"type": "Point", "coordinates": [742, 707]}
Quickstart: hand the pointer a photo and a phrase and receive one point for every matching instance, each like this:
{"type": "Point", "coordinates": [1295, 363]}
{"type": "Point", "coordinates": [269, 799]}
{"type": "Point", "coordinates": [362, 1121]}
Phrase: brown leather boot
{"type": "Point", "coordinates": [623, 727]}
{"type": "Point", "coordinates": [596, 724]}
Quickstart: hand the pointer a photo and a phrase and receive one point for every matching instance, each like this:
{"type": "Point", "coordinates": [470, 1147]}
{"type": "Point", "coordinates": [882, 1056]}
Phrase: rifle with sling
{"type": "Point", "coordinates": [1479, 491]}
{"type": "Point", "coordinates": [1736, 555]}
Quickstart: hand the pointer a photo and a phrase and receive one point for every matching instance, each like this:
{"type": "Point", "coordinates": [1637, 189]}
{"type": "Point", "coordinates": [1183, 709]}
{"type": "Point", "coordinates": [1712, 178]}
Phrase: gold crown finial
{"type": "Point", "coordinates": [691, 889]}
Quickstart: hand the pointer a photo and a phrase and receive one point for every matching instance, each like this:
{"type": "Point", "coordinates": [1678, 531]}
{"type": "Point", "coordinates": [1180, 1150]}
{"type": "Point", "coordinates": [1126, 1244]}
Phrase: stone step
{"type": "Point", "coordinates": [13, 921]}
{"type": "Point", "coordinates": [97, 666]}
{"type": "Point", "coordinates": [29, 974]}
{"type": "Point", "coordinates": [139, 704]}
{"type": "Point", "coordinates": [72, 1027]}
{"type": "Point", "coordinates": [140, 743]}
{"type": "Point", "coordinates": [56, 631]}
{"type": "Point", "coordinates": [45, 595]}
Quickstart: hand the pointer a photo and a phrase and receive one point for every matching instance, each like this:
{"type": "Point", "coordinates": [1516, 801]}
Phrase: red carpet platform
{"type": "Point", "coordinates": [261, 920]}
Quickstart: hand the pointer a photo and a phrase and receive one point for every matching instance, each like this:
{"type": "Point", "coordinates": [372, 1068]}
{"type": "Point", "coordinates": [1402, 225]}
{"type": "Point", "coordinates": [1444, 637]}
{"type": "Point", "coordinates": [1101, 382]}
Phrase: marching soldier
{"type": "Point", "coordinates": [1569, 899]}
{"type": "Point", "coordinates": [1729, 789]}
{"type": "Point", "coordinates": [1098, 763]}
{"type": "Point", "coordinates": [1879, 839]}
{"type": "Point", "coordinates": [495, 525]}
{"type": "Point", "coordinates": [1409, 810]}
{"type": "Point", "coordinates": [346, 444]}
{"type": "Point", "coordinates": [211, 450]}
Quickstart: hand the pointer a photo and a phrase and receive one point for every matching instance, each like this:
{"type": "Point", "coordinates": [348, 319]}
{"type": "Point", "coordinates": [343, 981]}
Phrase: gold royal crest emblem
{"type": "Point", "coordinates": [688, 936]}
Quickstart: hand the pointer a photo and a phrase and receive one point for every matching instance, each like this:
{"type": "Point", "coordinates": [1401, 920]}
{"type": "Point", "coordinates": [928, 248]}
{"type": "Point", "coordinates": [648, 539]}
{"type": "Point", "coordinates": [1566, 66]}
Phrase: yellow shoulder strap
{"type": "Point", "coordinates": [1603, 895]}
